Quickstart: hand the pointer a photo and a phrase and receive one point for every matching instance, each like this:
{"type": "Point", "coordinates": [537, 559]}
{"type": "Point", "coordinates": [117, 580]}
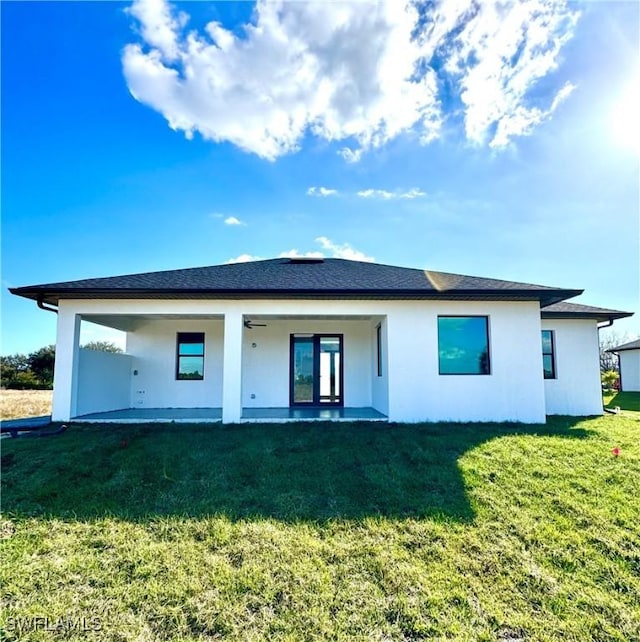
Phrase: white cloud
{"type": "Point", "coordinates": [321, 191]}
{"type": "Point", "coordinates": [245, 258]}
{"type": "Point", "coordinates": [335, 250]}
{"type": "Point", "coordinates": [350, 155]}
{"type": "Point", "coordinates": [232, 220]}
{"type": "Point", "coordinates": [375, 193]}
{"type": "Point", "coordinates": [294, 254]}
{"type": "Point", "coordinates": [414, 192]}
{"type": "Point", "coordinates": [340, 71]}
{"type": "Point", "coordinates": [497, 55]}
{"type": "Point", "coordinates": [159, 26]}
{"type": "Point", "coordinates": [350, 72]}
{"type": "Point", "coordinates": [344, 251]}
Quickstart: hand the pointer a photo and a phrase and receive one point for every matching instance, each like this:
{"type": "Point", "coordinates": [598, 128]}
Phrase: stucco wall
{"type": "Point", "coordinates": [152, 347]}
{"type": "Point", "coordinates": [630, 370]}
{"type": "Point", "coordinates": [104, 381]}
{"type": "Point", "coordinates": [265, 368]}
{"type": "Point", "coordinates": [415, 391]}
{"type": "Point", "coordinates": [379, 384]}
{"type": "Point", "coordinates": [512, 392]}
{"type": "Point", "coordinates": [576, 390]}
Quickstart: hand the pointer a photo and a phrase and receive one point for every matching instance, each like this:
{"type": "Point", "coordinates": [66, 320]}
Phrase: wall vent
{"type": "Point", "coordinates": [306, 259]}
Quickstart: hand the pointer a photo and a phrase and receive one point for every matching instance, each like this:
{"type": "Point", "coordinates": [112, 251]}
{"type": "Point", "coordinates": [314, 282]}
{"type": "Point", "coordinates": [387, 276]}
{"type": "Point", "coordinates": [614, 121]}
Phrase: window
{"type": "Point", "coordinates": [548, 355]}
{"type": "Point", "coordinates": [379, 348]}
{"type": "Point", "coordinates": [190, 356]}
{"type": "Point", "coordinates": [463, 345]}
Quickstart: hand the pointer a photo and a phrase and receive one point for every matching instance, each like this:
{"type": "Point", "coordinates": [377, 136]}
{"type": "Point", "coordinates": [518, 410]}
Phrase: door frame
{"type": "Point", "coordinates": [316, 370]}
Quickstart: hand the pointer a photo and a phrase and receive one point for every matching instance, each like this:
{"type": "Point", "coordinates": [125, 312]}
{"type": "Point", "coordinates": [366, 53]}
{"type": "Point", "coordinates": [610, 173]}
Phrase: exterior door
{"type": "Point", "coordinates": [316, 370]}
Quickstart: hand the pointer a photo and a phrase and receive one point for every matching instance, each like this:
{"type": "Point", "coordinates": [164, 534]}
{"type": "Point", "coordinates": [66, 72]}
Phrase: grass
{"type": "Point", "coordinates": [24, 403]}
{"type": "Point", "coordinates": [628, 402]}
{"type": "Point", "coordinates": [325, 532]}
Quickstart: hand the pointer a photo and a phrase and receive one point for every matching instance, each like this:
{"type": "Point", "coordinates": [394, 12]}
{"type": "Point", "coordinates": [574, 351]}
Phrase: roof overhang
{"type": "Point", "coordinates": [545, 297]}
{"type": "Point", "coordinates": [634, 345]}
{"type": "Point", "coordinates": [600, 317]}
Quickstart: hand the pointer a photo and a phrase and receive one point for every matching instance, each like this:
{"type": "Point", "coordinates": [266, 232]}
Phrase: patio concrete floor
{"type": "Point", "coordinates": [143, 415]}
{"type": "Point", "coordinates": [312, 414]}
{"type": "Point", "coordinates": [213, 415]}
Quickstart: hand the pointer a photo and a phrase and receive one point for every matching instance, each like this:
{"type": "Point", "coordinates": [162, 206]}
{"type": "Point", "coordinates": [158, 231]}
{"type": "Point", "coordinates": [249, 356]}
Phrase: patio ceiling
{"type": "Point", "coordinates": [130, 322]}
{"type": "Point", "coordinates": [312, 317]}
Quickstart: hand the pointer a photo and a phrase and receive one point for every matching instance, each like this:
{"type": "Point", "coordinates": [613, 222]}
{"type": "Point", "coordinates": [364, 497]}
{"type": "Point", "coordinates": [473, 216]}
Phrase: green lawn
{"type": "Point", "coordinates": [324, 532]}
{"type": "Point", "coordinates": [626, 401]}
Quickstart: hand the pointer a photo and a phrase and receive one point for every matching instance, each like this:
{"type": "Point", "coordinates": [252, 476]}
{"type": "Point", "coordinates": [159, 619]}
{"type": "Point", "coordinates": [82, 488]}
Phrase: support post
{"type": "Point", "coordinates": [65, 376]}
{"type": "Point", "coordinates": [232, 363]}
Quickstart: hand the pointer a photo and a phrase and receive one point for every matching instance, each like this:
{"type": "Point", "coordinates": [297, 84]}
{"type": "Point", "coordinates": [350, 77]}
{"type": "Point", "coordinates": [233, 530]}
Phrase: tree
{"type": "Point", "coordinates": [34, 372]}
{"type": "Point", "coordinates": [41, 364]}
{"type": "Point", "coordinates": [10, 366]}
{"type": "Point", "coordinates": [25, 381]}
{"type": "Point", "coordinates": [610, 339]}
{"type": "Point", "coordinates": [102, 346]}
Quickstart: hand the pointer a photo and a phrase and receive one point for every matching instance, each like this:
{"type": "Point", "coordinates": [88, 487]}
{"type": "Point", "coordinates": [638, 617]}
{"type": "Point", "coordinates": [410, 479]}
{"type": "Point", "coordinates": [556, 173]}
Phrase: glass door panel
{"type": "Point", "coordinates": [329, 370]}
{"type": "Point", "coordinates": [316, 370]}
{"type": "Point", "coordinates": [303, 370]}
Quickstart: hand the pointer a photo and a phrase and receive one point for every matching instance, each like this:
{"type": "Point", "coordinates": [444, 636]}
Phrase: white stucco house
{"type": "Point", "coordinates": [629, 365]}
{"type": "Point", "coordinates": [293, 338]}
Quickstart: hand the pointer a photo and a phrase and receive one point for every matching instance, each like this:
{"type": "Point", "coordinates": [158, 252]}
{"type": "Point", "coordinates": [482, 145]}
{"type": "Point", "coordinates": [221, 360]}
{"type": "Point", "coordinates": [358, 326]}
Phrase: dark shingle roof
{"type": "Point", "coordinates": [564, 310]}
{"type": "Point", "coordinates": [632, 345]}
{"type": "Point", "coordinates": [290, 278]}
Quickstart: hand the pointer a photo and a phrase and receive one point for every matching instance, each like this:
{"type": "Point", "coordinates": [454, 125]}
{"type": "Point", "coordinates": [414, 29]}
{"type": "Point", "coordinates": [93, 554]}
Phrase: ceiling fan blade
{"type": "Point", "coordinates": [249, 324]}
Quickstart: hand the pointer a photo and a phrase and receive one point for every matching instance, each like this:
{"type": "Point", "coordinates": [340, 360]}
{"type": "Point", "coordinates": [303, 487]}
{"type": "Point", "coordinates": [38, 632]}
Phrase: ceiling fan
{"type": "Point", "coordinates": [249, 324]}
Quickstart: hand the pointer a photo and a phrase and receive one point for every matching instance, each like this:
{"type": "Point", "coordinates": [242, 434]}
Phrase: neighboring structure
{"type": "Point", "coordinates": [324, 338]}
{"type": "Point", "coordinates": [629, 365]}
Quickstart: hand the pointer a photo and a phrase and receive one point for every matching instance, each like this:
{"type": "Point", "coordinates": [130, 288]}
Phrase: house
{"type": "Point", "coordinates": [629, 365]}
{"type": "Point", "coordinates": [293, 338]}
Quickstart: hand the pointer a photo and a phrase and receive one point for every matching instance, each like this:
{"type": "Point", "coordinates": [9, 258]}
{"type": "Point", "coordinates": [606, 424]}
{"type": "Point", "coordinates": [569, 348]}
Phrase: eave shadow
{"type": "Point", "coordinates": [289, 472]}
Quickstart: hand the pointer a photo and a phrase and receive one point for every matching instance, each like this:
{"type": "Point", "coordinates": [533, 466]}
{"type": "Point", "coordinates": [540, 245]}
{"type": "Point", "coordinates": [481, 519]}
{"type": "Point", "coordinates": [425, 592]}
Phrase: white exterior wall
{"type": "Point", "coordinates": [512, 392]}
{"type": "Point", "coordinates": [65, 374]}
{"type": "Point", "coordinates": [576, 390]}
{"type": "Point", "coordinates": [630, 370]}
{"type": "Point", "coordinates": [104, 382]}
{"type": "Point", "coordinates": [379, 383]}
{"type": "Point", "coordinates": [232, 367]}
{"type": "Point", "coordinates": [266, 367]}
{"type": "Point", "coordinates": [410, 390]}
{"type": "Point", "coordinates": [153, 354]}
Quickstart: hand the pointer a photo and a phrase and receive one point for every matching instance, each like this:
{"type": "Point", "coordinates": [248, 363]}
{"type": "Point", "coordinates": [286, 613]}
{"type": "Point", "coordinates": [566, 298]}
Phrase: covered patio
{"type": "Point", "coordinates": [242, 366]}
{"type": "Point", "coordinates": [214, 415]}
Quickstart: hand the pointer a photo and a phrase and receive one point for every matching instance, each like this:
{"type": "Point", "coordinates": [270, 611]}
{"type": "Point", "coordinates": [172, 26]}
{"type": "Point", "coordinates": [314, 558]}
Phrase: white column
{"type": "Point", "coordinates": [65, 376]}
{"type": "Point", "coordinates": [232, 363]}
{"type": "Point", "coordinates": [406, 355]}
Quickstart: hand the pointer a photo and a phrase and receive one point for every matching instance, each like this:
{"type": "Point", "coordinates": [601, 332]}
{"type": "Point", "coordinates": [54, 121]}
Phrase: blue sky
{"type": "Point", "coordinates": [494, 144]}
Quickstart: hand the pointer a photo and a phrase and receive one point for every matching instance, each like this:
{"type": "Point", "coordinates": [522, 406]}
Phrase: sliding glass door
{"type": "Point", "coordinates": [316, 370]}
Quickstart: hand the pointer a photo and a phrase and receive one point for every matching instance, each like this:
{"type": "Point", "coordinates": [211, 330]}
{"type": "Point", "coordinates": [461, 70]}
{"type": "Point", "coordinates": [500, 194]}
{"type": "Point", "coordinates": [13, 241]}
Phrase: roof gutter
{"type": "Point", "coordinates": [43, 306]}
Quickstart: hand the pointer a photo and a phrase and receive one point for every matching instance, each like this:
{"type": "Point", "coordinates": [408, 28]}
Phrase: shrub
{"type": "Point", "coordinates": [25, 381]}
{"type": "Point", "coordinates": [610, 380]}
